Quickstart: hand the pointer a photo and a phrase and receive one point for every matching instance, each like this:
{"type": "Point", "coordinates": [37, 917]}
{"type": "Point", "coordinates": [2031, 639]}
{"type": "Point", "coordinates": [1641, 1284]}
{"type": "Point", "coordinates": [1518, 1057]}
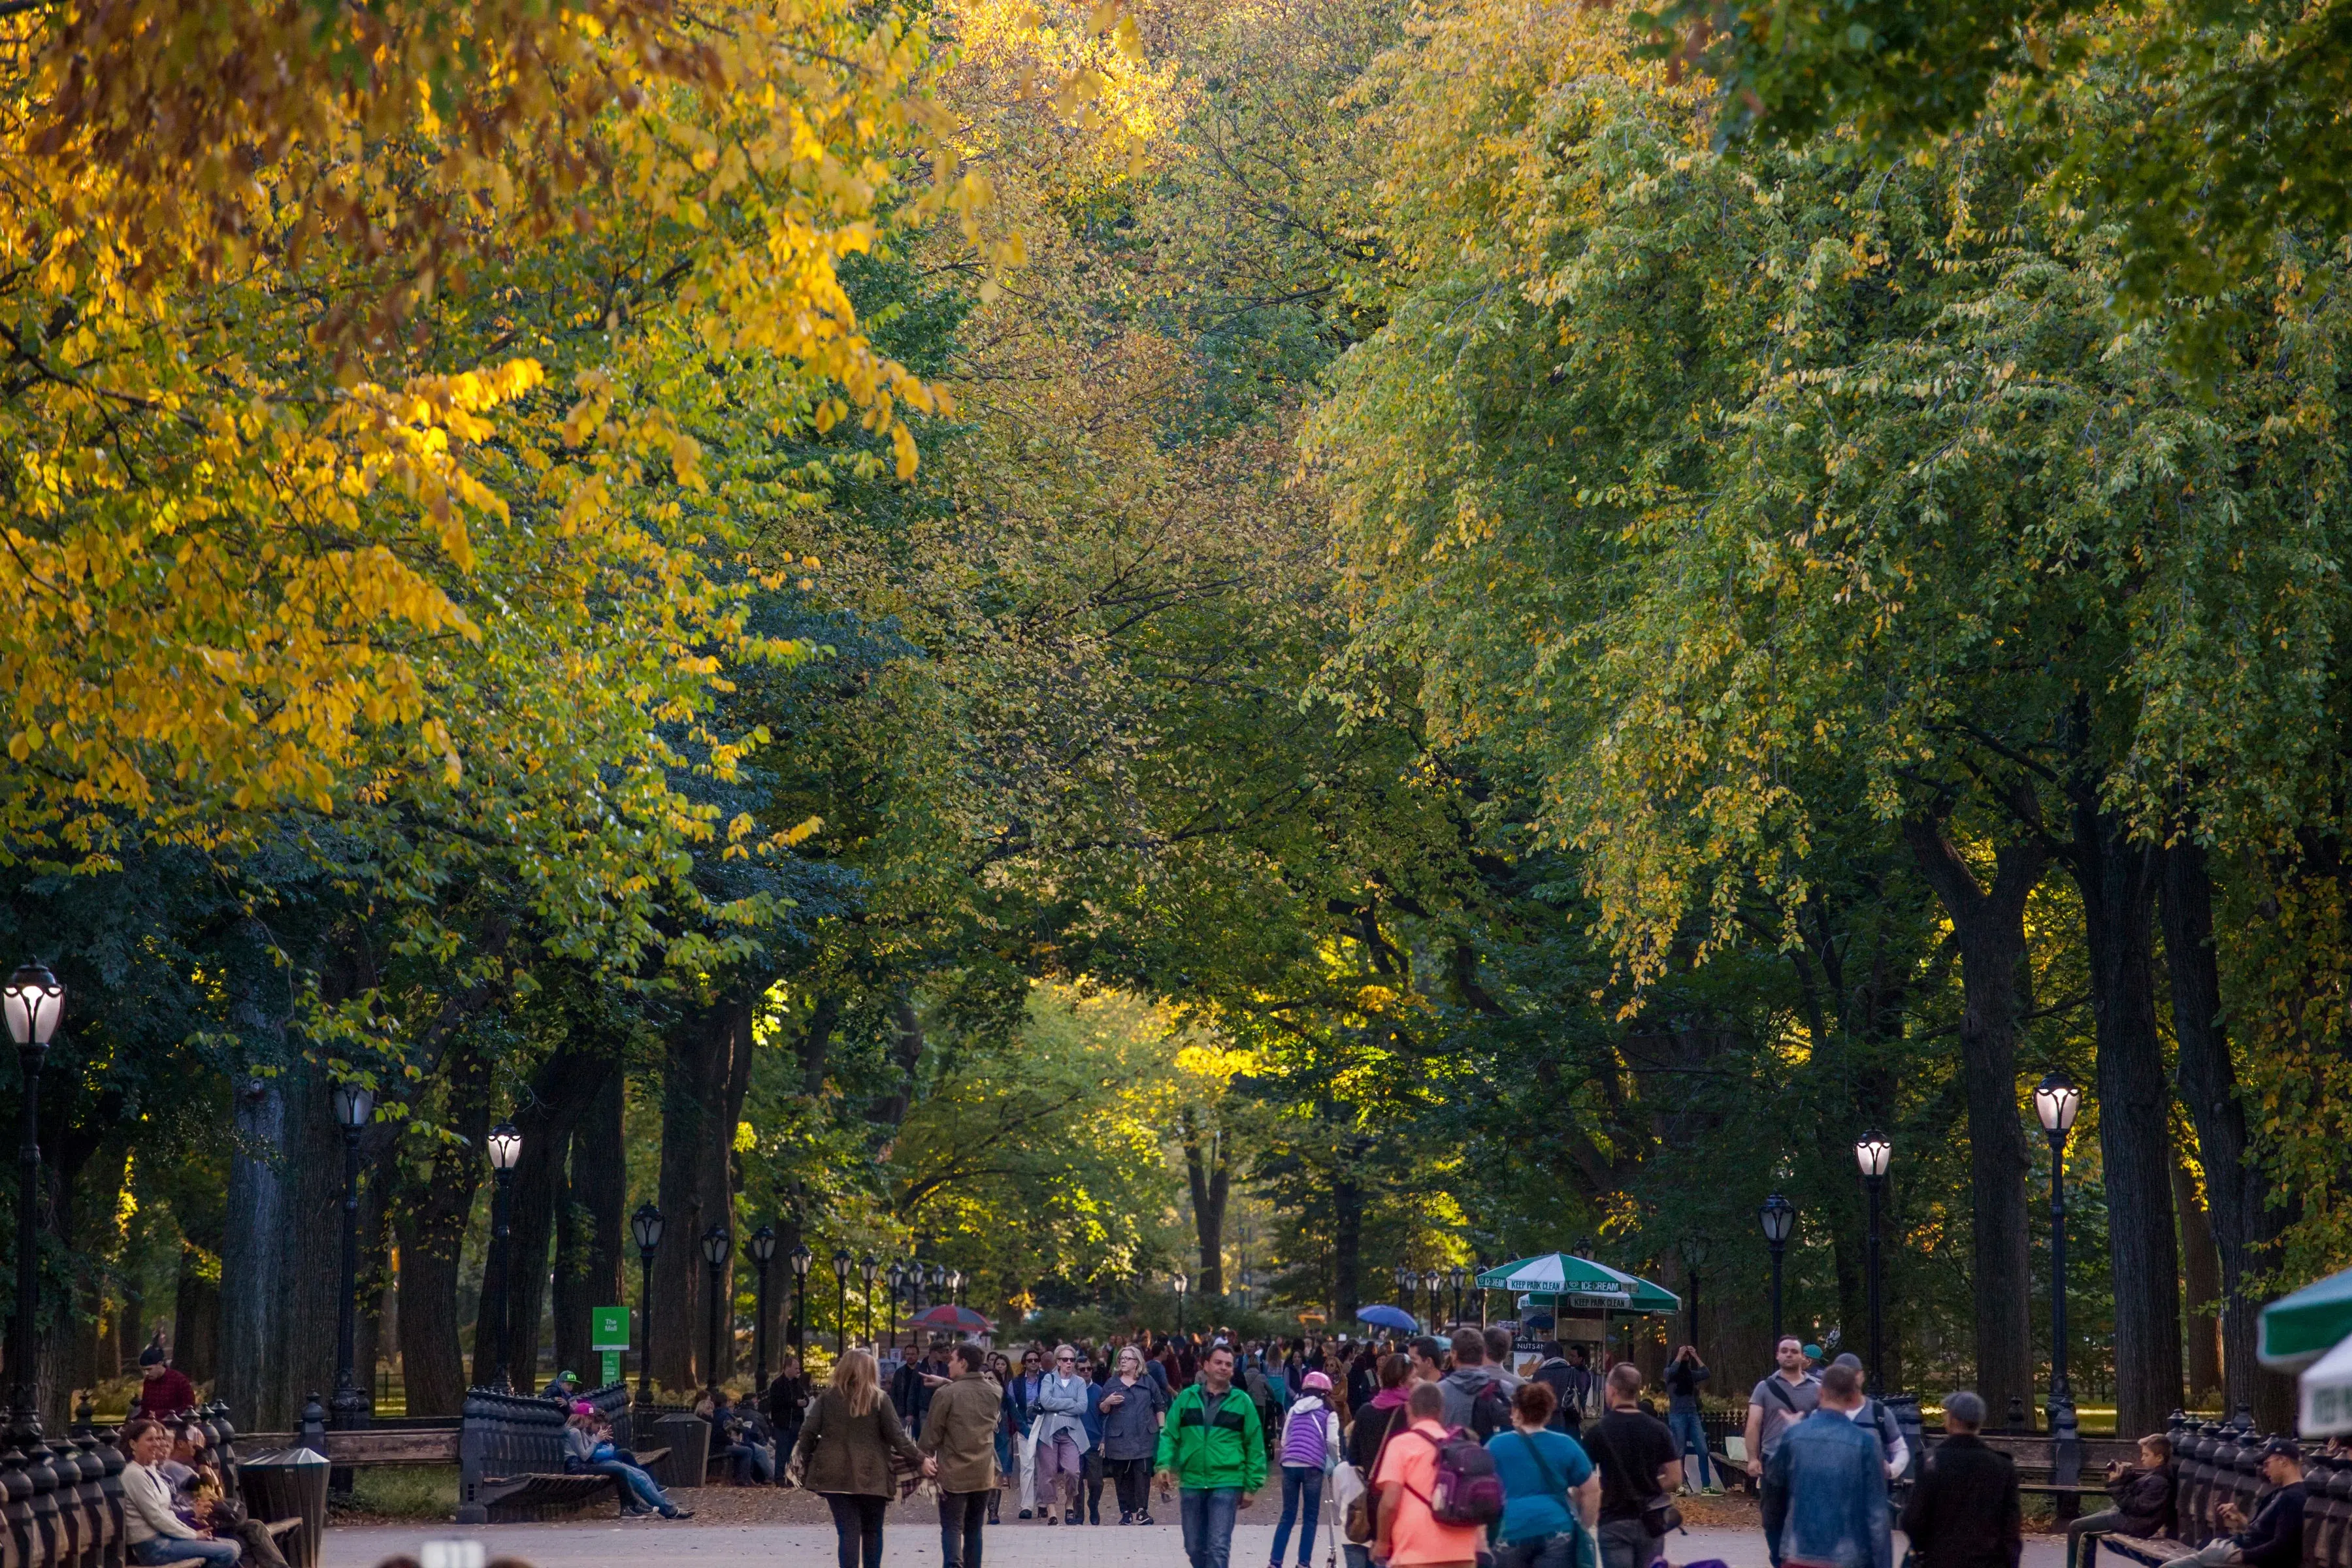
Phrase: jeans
{"type": "Point", "coordinates": [856, 1525]}
{"type": "Point", "coordinates": [961, 1514]}
{"type": "Point", "coordinates": [634, 1484]}
{"type": "Point", "coordinates": [1133, 1480]}
{"type": "Point", "coordinates": [1302, 1499]}
{"type": "Point", "coordinates": [1690, 1437]}
{"type": "Point", "coordinates": [1627, 1543]}
{"type": "Point", "coordinates": [1356, 1556]}
{"type": "Point", "coordinates": [1208, 1517]}
{"type": "Point", "coordinates": [163, 1549]}
{"type": "Point", "coordinates": [2221, 1553]}
{"type": "Point", "coordinates": [752, 1462]}
{"type": "Point", "coordinates": [1538, 1551]}
{"type": "Point", "coordinates": [1090, 1477]}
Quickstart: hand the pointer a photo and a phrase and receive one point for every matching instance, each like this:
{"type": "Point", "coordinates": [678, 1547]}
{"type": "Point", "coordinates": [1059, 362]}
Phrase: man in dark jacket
{"type": "Point", "coordinates": [2274, 1537]}
{"type": "Point", "coordinates": [2142, 1495]}
{"type": "Point", "coordinates": [1964, 1513]}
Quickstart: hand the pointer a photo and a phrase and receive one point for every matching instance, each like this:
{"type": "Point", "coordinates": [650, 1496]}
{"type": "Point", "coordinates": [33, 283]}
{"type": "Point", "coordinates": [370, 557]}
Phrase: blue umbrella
{"type": "Point", "coordinates": [1388, 1317]}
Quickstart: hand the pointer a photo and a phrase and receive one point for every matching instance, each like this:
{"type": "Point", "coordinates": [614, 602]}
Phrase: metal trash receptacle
{"type": "Point", "coordinates": [288, 1483]}
{"type": "Point", "coordinates": [688, 1438]}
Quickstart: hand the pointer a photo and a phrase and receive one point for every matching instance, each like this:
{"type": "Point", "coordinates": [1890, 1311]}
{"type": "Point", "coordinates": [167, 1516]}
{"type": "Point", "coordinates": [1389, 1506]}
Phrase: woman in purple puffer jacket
{"type": "Point", "coordinates": [1310, 1439]}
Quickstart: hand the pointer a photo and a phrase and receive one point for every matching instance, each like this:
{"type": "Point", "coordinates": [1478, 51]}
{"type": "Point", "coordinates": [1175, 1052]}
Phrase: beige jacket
{"type": "Point", "coordinates": [147, 1507]}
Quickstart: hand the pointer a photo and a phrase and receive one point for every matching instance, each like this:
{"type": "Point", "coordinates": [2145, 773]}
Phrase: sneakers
{"type": "Point", "coordinates": [1053, 1517]}
{"type": "Point", "coordinates": [636, 1510]}
{"type": "Point", "coordinates": [677, 1513]}
{"type": "Point", "coordinates": [1126, 1516]}
{"type": "Point", "coordinates": [1145, 1518]}
{"type": "Point", "coordinates": [1025, 1513]}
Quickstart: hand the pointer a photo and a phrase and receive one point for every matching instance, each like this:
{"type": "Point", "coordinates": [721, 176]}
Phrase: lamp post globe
{"type": "Point", "coordinates": [1873, 1152]}
{"type": "Point", "coordinates": [1778, 1218]}
{"type": "Point", "coordinates": [645, 1230]}
{"type": "Point", "coordinates": [505, 1148]}
{"type": "Point", "coordinates": [2056, 1103]}
{"type": "Point", "coordinates": [1183, 1283]}
{"type": "Point", "coordinates": [33, 1001]}
{"type": "Point", "coordinates": [1429, 1288]}
{"type": "Point", "coordinates": [354, 1104]}
{"type": "Point", "coordinates": [1457, 1276]}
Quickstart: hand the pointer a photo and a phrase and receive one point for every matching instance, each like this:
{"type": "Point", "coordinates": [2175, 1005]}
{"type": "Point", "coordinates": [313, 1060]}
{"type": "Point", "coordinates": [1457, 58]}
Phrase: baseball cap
{"type": "Point", "coordinates": [1814, 1351]}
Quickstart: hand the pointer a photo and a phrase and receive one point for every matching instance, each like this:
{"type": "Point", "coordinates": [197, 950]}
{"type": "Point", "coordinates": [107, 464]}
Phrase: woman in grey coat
{"type": "Point", "coordinates": [1131, 1407]}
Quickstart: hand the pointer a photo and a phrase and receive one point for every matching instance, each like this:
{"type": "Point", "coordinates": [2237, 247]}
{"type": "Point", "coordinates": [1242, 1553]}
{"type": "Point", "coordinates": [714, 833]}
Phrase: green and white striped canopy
{"type": "Point", "coordinates": [2299, 1328]}
{"type": "Point", "coordinates": [1575, 1282]}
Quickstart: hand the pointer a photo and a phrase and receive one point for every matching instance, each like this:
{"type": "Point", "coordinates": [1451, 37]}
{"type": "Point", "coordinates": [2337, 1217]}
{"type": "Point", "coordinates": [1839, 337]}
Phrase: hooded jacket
{"type": "Point", "coordinates": [1211, 1441]}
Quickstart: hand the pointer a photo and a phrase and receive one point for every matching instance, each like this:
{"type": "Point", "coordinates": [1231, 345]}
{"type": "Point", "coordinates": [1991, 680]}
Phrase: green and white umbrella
{"type": "Point", "coordinates": [2328, 1395]}
{"type": "Point", "coordinates": [2299, 1329]}
{"type": "Point", "coordinates": [1575, 1281]}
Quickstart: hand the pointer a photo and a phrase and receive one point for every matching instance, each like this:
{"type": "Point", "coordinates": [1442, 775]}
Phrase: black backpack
{"type": "Point", "coordinates": [1490, 1411]}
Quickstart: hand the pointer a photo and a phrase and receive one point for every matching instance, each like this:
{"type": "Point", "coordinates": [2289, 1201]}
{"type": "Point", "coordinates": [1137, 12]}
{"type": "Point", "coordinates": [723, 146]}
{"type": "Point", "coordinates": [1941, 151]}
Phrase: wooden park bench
{"type": "Point", "coordinates": [510, 1458]}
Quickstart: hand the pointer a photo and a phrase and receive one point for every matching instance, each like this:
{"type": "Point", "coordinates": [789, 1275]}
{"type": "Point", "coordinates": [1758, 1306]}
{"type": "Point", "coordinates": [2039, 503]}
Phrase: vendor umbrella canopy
{"type": "Point", "coordinates": [1389, 1318]}
{"type": "Point", "coordinates": [958, 1319]}
{"type": "Point", "coordinates": [2328, 1395]}
{"type": "Point", "coordinates": [2297, 1330]}
{"type": "Point", "coordinates": [1580, 1282]}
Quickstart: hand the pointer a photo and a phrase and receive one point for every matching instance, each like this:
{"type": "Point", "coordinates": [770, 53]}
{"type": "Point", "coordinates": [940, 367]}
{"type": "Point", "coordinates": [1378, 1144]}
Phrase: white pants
{"type": "Point", "coordinates": [1025, 1450]}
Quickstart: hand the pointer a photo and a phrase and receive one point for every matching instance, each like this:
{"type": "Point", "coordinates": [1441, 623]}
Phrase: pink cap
{"type": "Point", "coordinates": [581, 1407]}
{"type": "Point", "coordinates": [1315, 1380]}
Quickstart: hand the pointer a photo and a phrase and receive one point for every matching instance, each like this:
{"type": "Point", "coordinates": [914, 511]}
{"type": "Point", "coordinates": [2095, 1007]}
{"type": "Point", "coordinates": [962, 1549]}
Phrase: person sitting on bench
{"type": "Point", "coordinates": [2142, 1494]}
{"type": "Point", "coordinates": [153, 1532]}
{"type": "Point", "coordinates": [2274, 1537]}
{"type": "Point", "coordinates": [588, 1449]}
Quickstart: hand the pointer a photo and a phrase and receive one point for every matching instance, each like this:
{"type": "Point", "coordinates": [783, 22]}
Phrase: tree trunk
{"type": "Point", "coordinates": [379, 1170]}
{"type": "Point", "coordinates": [1346, 1236]}
{"type": "Point", "coordinates": [702, 1097]}
{"type": "Point", "coordinates": [2246, 1222]}
{"type": "Point", "coordinates": [430, 1218]}
{"type": "Point", "coordinates": [592, 1251]}
{"type": "Point", "coordinates": [2201, 1271]}
{"type": "Point", "coordinates": [96, 1197]}
{"type": "Point", "coordinates": [2117, 878]}
{"type": "Point", "coordinates": [1990, 928]}
{"type": "Point", "coordinates": [560, 1094]}
{"type": "Point", "coordinates": [907, 1056]}
{"type": "Point", "coordinates": [1208, 1168]}
{"type": "Point", "coordinates": [195, 1316]}
{"type": "Point", "coordinates": [281, 1230]}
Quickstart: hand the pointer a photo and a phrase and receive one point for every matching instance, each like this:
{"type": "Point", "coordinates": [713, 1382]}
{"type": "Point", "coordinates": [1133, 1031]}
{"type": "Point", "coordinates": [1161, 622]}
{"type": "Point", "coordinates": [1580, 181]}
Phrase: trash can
{"type": "Point", "coordinates": [688, 1438]}
{"type": "Point", "coordinates": [288, 1483]}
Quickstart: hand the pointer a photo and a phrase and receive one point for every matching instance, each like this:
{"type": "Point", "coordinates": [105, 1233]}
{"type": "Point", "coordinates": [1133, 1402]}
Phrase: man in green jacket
{"type": "Point", "coordinates": [1214, 1447]}
{"type": "Point", "coordinates": [960, 1431]}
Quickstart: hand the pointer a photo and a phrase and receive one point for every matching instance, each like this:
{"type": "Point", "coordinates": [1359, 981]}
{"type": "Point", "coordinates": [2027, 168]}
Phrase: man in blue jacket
{"type": "Point", "coordinates": [1825, 1486]}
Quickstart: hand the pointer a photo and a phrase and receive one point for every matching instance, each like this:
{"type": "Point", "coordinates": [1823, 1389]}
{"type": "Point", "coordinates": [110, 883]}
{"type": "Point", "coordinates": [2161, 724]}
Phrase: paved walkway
{"type": "Point", "coordinates": [906, 1544]}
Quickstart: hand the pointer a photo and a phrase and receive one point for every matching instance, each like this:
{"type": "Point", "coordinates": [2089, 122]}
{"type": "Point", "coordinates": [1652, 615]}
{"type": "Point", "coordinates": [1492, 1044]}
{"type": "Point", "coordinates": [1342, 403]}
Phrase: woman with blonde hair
{"type": "Point", "coordinates": [843, 1456]}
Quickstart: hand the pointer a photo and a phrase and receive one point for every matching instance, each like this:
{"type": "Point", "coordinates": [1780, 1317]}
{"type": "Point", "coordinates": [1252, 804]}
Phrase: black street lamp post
{"type": "Point", "coordinates": [1873, 1152]}
{"type": "Point", "coordinates": [34, 1001]}
{"type": "Point", "coordinates": [955, 1287]}
{"type": "Point", "coordinates": [2057, 1102]}
{"type": "Point", "coordinates": [1182, 1284]}
{"type": "Point", "coordinates": [717, 1248]}
{"type": "Point", "coordinates": [897, 1277]}
{"type": "Point", "coordinates": [354, 1103]}
{"type": "Point", "coordinates": [802, 1258]}
{"type": "Point", "coordinates": [1779, 1219]}
{"type": "Point", "coordinates": [506, 1147]}
{"type": "Point", "coordinates": [1405, 1279]}
{"type": "Point", "coordinates": [1694, 1255]}
{"type": "Point", "coordinates": [763, 1253]}
{"type": "Point", "coordinates": [867, 1267]}
{"type": "Point", "coordinates": [1429, 1288]}
{"type": "Point", "coordinates": [841, 1265]}
{"type": "Point", "coordinates": [645, 1229]}
{"type": "Point", "coordinates": [1460, 1276]}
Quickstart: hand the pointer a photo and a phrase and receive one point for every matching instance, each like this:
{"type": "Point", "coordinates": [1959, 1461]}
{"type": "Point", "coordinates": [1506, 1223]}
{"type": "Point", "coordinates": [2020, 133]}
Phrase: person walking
{"type": "Point", "coordinates": [1310, 1442]}
{"type": "Point", "coordinates": [2272, 1538]}
{"type": "Point", "coordinates": [960, 1434]}
{"type": "Point", "coordinates": [1825, 1497]}
{"type": "Point", "coordinates": [1964, 1513]}
{"type": "Point", "coordinates": [1785, 1397]}
{"type": "Point", "coordinates": [1683, 1380]}
{"type": "Point", "coordinates": [1409, 1534]}
{"type": "Point", "coordinates": [1000, 1371]}
{"type": "Point", "coordinates": [1550, 1488]}
{"type": "Point", "coordinates": [1059, 1437]}
{"type": "Point", "coordinates": [1638, 1465]}
{"type": "Point", "coordinates": [1131, 1405]}
{"type": "Point", "coordinates": [1874, 1416]}
{"type": "Point", "coordinates": [2143, 1498]}
{"type": "Point", "coordinates": [1498, 1356]}
{"type": "Point", "coordinates": [844, 1457]}
{"type": "Point", "coordinates": [1212, 1448]}
{"type": "Point", "coordinates": [1021, 1402]}
{"type": "Point", "coordinates": [1428, 1352]}
{"type": "Point", "coordinates": [1568, 1373]}
{"type": "Point", "coordinates": [1377, 1420]}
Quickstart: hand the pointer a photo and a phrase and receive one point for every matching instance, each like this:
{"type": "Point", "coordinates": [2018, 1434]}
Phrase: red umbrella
{"type": "Point", "coordinates": [957, 1319]}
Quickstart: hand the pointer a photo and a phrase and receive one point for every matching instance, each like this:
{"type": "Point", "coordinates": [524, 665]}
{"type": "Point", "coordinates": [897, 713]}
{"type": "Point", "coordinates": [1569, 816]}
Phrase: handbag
{"type": "Point", "coordinates": [1660, 1517]}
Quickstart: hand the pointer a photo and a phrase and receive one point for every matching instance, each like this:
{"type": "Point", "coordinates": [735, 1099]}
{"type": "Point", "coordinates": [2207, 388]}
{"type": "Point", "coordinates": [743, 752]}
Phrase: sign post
{"type": "Point", "coordinates": [608, 1331]}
